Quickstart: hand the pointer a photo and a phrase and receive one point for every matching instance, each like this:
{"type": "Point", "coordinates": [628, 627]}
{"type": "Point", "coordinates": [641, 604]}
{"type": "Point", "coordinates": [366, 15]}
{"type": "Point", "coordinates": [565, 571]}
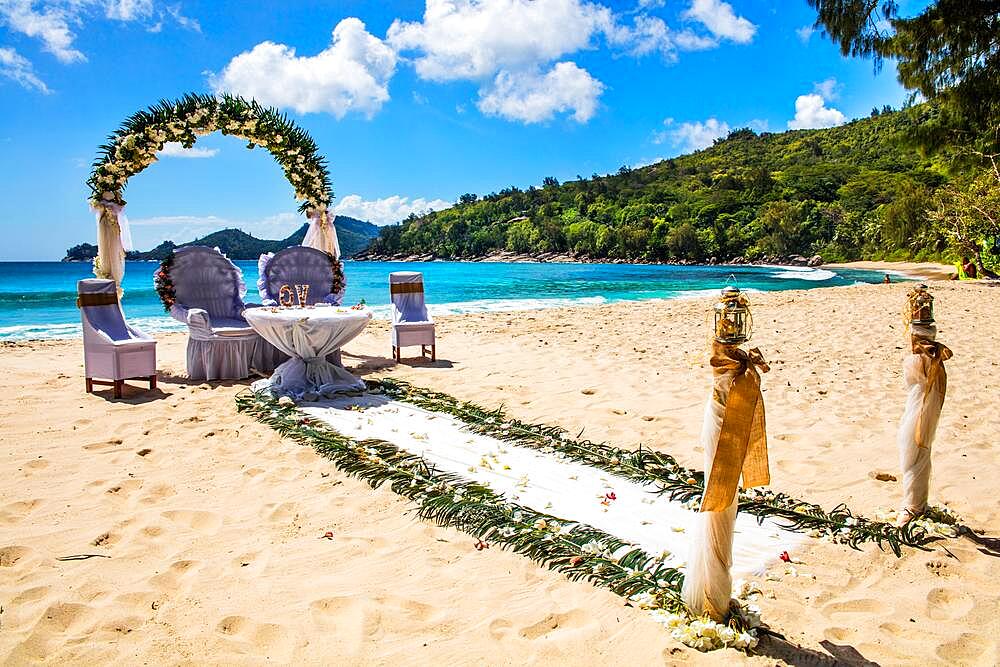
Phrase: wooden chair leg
{"type": "Point", "coordinates": [152, 382]}
{"type": "Point", "coordinates": [434, 354]}
{"type": "Point", "coordinates": [118, 388]}
{"type": "Point", "coordinates": [90, 385]}
{"type": "Point", "coordinates": [396, 353]}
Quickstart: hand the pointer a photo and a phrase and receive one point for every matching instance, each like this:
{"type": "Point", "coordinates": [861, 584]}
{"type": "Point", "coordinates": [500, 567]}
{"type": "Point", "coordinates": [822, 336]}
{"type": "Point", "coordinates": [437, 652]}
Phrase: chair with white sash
{"type": "Point", "coordinates": [112, 349]}
{"type": "Point", "coordinates": [209, 291]}
{"type": "Point", "coordinates": [411, 324]}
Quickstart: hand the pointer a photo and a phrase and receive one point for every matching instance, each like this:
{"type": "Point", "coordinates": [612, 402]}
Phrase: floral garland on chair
{"type": "Point", "coordinates": [339, 282]}
{"type": "Point", "coordinates": [134, 145]}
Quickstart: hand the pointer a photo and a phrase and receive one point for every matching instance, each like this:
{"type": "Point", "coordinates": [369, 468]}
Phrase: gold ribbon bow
{"type": "Point", "coordinates": [742, 448]}
{"type": "Point", "coordinates": [935, 354]}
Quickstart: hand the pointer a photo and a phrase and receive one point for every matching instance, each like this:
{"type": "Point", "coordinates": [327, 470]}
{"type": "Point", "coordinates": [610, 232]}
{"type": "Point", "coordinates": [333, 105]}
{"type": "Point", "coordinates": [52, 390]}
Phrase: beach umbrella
{"type": "Point", "coordinates": [735, 444]}
{"type": "Point", "coordinates": [322, 235]}
{"type": "Point", "coordinates": [927, 382]}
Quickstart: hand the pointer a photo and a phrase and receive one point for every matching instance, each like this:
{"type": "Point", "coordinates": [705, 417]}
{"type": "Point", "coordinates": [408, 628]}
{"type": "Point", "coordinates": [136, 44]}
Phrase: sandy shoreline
{"type": "Point", "coordinates": [211, 521]}
{"type": "Point", "coordinates": [920, 270]}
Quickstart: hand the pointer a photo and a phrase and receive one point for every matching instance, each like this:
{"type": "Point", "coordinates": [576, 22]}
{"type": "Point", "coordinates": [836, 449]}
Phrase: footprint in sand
{"type": "Point", "coordinates": [852, 607]}
{"type": "Point", "coordinates": [946, 604]}
{"type": "Point", "coordinates": [569, 621]}
{"type": "Point", "coordinates": [500, 628]}
{"type": "Point", "coordinates": [17, 511]}
{"type": "Point", "coordinates": [157, 494]}
{"type": "Point", "coordinates": [200, 520]}
{"type": "Point", "coordinates": [275, 641]}
{"type": "Point", "coordinates": [176, 576]}
{"type": "Point", "coordinates": [965, 650]}
{"type": "Point", "coordinates": [10, 556]}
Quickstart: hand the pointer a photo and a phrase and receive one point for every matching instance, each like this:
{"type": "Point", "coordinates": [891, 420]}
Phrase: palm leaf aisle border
{"type": "Point", "coordinates": [645, 465]}
{"type": "Point", "coordinates": [575, 549]}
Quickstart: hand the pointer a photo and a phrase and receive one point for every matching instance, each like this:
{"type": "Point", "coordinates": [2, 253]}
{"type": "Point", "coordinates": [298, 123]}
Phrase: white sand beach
{"type": "Point", "coordinates": [207, 528]}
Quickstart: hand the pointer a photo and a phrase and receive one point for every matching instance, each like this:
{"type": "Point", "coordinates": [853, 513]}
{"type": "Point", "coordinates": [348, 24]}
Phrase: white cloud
{"type": "Point", "coordinates": [129, 10]}
{"type": "Point", "coordinates": [175, 149]}
{"type": "Point", "coordinates": [185, 22]}
{"type": "Point", "coordinates": [505, 46]}
{"type": "Point", "coordinates": [50, 25]}
{"type": "Point", "coordinates": [532, 97]}
{"type": "Point", "coordinates": [17, 68]}
{"type": "Point", "coordinates": [388, 210]}
{"type": "Point", "coordinates": [721, 20]}
{"type": "Point", "coordinates": [475, 39]}
{"type": "Point", "coordinates": [690, 137]}
{"type": "Point", "coordinates": [805, 33]}
{"type": "Point", "coordinates": [829, 90]}
{"type": "Point", "coordinates": [352, 74]}
{"type": "Point", "coordinates": [811, 112]}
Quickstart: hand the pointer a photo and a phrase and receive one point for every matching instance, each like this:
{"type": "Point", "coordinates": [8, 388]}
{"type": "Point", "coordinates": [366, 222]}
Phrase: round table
{"type": "Point", "coordinates": [308, 335]}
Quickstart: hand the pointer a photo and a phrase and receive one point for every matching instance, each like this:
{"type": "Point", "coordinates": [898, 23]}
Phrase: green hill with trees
{"type": "Point", "coordinates": [858, 190]}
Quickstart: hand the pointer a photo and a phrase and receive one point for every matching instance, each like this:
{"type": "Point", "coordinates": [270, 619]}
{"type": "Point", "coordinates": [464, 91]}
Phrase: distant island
{"type": "Point", "coordinates": [354, 236]}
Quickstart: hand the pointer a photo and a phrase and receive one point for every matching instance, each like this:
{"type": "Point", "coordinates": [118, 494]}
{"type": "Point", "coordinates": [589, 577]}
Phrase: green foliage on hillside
{"type": "Point", "coordinates": [848, 192]}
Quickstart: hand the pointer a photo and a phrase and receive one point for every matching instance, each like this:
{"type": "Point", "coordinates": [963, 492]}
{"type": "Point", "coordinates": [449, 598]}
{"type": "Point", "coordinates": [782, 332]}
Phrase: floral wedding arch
{"type": "Point", "coordinates": [134, 146]}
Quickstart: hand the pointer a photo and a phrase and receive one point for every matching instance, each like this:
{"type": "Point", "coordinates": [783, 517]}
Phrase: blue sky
{"type": "Point", "coordinates": [413, 103]}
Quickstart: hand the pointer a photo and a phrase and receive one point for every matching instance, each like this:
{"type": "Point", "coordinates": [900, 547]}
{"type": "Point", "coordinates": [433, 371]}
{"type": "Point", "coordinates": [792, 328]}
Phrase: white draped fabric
{"type": "Point", "coordinates": [918, 425]}
{"type": "Point", "coordinates": [548, 482]}
{"type": "Point", "coordinates": [708, 579]}
{"type": "Point", "coordinates": [321, 234]}
{"type": "Point", "coordinates": [308, 336]}
{"type": "Point", "coordinates": [113, 239]}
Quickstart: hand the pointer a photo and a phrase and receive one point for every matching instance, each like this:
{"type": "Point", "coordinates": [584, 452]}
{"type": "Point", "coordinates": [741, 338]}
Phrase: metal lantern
{"type": "Point", "coordinates": [921, 305]}
{"type": "Point", "coordinates": [733, 321]}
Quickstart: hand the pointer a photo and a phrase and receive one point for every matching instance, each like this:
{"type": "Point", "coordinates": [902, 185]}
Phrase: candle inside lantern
{"type": "Point", "coordinates": [733, 321]}
{"type": "Point", "coordinates": [921, 305]}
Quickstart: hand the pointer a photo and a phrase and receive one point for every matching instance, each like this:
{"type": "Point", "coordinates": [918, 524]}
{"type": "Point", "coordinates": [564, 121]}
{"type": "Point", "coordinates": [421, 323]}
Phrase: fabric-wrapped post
{"type": "Point", "coordinates": [112, 349]}
{"type": "Point", "coordinates": [321, 234]}
{"type": "Point", "coordinates": [113, 239]}
{"type": "Point", "coordinates": [927, 383]}
{"type": "Point", "coordinates": [411, 323]}
{"type": "Point", "coordinates": [734, 440]}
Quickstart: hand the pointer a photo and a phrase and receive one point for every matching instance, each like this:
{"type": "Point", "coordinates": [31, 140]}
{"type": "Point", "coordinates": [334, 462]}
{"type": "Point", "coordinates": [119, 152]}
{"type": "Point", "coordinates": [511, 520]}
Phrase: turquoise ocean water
{"type": "Point", "coordinates": [37, 299]}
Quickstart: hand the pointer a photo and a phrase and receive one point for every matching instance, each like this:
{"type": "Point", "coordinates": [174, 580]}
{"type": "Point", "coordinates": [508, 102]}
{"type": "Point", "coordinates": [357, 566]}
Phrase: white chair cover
{"type": "Point", "coordinates": [112, 349]}
{"type": "Point", "coordinates": [221, 345]}
{"type": "Point", "coordinates": [411, 324]}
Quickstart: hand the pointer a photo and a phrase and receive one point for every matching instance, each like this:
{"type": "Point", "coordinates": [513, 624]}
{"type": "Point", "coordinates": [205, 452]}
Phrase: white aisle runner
{"type": "Point", "coordinates": [549, 482]}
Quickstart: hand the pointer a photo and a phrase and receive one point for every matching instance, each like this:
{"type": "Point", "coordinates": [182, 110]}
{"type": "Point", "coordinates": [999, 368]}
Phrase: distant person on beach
{"type": "Point", "coordinates": [886, 280]}
{"type": "Point", "coordinates": [969, 268]}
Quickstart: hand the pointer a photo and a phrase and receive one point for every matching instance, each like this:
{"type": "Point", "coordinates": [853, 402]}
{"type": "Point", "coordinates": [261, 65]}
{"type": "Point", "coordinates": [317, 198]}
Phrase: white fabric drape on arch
{"type": "Point", "coordinates": [321, 234]}
{"type": "Point", "coordinates": [113, 239]}
{"type": "Point", "coordinates": [708, 581]}
{"type": "Point", "coordinates": [926, 383]}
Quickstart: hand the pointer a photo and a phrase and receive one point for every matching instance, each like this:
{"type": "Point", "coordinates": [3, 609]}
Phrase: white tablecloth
{"type": "Point", "coordinates": [308, 335]}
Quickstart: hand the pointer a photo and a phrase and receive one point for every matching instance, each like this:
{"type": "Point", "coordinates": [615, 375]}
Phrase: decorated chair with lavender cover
{"type": "Point", "coordinates": [207, 295]}
{"type": "Point", "coordinates": [299, 265]}
{"type": "Point", "coordinates": [411, 324]}
{"type": "Point", "coordinates": [112, 350]}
